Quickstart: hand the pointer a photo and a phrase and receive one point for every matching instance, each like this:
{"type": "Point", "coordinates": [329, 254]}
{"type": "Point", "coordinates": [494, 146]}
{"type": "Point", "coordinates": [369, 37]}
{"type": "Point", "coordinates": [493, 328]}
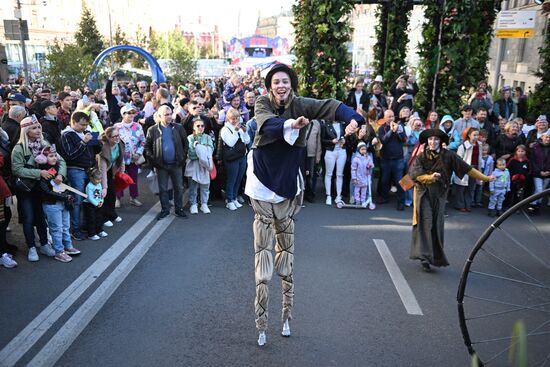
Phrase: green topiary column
{"type": "Point", "coordinates": [322, 32]}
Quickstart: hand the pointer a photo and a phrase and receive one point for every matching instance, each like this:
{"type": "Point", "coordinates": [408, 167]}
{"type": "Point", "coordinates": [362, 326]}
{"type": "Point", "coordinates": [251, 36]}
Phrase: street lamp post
{"type": "Point", "coordinates": [22, 40]}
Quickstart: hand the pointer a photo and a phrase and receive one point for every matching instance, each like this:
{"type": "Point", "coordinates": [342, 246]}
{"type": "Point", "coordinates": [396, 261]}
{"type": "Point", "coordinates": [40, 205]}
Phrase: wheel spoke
{"type": "Point", "coordinates": [512, 266]}
{"type": "Point", "coordinates": [544, 239]}
{"type": "Point", "coordinates": [520, 308]}
{"type": "Point", "coordinates": [532, 333]}
{"type": "Point", "coordinates": [508, 279]}
{"type": "Point", "coordinates": [524, 248]}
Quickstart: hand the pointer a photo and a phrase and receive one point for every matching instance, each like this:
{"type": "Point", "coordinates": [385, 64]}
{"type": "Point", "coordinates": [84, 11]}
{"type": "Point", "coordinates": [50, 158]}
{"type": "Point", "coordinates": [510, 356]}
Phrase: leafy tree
{"type": "Point", "coordinates": [120, 39]}
{"type": "Point", "coordinates": [448, 72]}
{"type": "Point", "coordinates": [67, 65]}
{"type": "Point", "coordinates": [322, 30]}
{"type": "Point", "coordinates": [392, 39]}
{"type": "Point", "coordinates": [141, 41]}
{"type": "Point", "coordinates": [87, 35]}
{"type": "Point", "coordinates": [539, 100]}
{"type": "Point", "coordinates": [173, 46]}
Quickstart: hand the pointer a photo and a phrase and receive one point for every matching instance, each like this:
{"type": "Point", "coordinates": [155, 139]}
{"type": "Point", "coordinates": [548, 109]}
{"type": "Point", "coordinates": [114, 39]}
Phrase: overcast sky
{"type": "Point", "coordinates": [226, 13]}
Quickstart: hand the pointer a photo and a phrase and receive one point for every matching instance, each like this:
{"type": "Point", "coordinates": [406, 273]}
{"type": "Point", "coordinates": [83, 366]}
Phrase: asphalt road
{"type": "Point", "coordinates": [181, 293]}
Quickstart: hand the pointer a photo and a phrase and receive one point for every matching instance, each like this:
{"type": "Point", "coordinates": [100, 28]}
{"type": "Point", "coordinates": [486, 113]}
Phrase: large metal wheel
{"type": "Point", "coordinates": [506, 278]}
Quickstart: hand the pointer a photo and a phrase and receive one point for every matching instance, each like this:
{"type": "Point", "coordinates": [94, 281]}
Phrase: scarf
{"type": "Point", "coordinates": [35, 147]}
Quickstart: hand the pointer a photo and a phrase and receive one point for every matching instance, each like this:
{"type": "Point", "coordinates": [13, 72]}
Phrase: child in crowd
{"type": "Point", "coordinates": [486, 166]}
{"type": "Point", "coordinates": [92, 206]}
{"type": "Point", "coordinates": [499, 187]}
{"type": "Point", "coordinates": [233, 87]}
{"type": "Point", "coordinates": [361, 175]}
{"type": "Point", "coordinates": [196, 159]}
{"type": "Point", "coordinates": [520, 173]}
{"type": "Point", "coordinates": [56, 206]}
{"type": "Point", "coordinates": [470, 152]}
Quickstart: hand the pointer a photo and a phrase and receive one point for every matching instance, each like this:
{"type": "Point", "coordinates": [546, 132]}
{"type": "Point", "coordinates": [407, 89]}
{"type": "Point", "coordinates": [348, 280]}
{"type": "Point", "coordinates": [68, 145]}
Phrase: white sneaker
{"type": "Point", "coordinates": [262, 339]}
{"type": "Point", "coordinates": [135, 202]}
{"type": "Point", "coordinates": [338, 199]}
{"type": "Point", "coordinates": [286, 329]}
{"type": "Point", "coordinates": [33, 255]}
{"type": "Point", "coordinates": [352, 200]}
{"type": "Point", "coordinates": [329, 200]}
{"type": "Point", "coordinates": [118, 219]}
{"type": "Point", "coordinates": [365, 204]}
{"type": "Point", "coordinates": [117, 203]}
{"type": "Point", "coordinates": [7, 261]}
{"type": "Point", "coordinates": [193, 209]}
{"type": "Point", "coordinates": [237, 204]}
{"type": "Point", "coordinates": [240, 199]}
{"type": "Point", "coordinates": [47, 250]}
{"type": "Point", "coordinates": [95, 237]}
{"type": "Point", "coordinates": [231, 206]}
{"type": "Point", "coordinates": [108, 223]}
{"type": "Point", "coordinates": [102, 234]}
{"type": "Point", "coordinates": [204, 209]}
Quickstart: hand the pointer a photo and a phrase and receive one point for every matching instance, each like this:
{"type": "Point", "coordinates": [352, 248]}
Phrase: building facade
{"type": "Point", "coordinates": [520, 56]}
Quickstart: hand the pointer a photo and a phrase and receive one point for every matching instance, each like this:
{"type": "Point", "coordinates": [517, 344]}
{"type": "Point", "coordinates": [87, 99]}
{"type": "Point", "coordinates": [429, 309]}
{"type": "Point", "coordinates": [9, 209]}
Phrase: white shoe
{"type": "Point", "coordinates": [352, 200]}
{"type": "Point", "coordinates": [117, 203]}
{"type": "Point", "coordinates": [193, 209]}
{"type": "Point", "coordinates": [262, 339]}
{"type": "Point", "coordinates": [237, 204]}
{"type": "Point", "coordinates": [240, 199]}
{"type": "Point", "coordinates": [135, 202]}
{"type": "Point", "coordinates": [47, 250]}
{"type": "Point", "coordinates": [7, 261]}
{"type": "Point", "coordinates": [102, 234]}
{"type": "Point", "coordinates": [33, 255]}
{"type": "Point", "coordinates": [231, 206]}
{"type": "Point", "coordinates": [338, 199]}
{"type": "Point", "coordinates": [329, 200]}
{"type": "Point", "coordinates": [95, 237]}
{"type": "Point", "coordinates": [108, 223]}
{"type": "Point", "coordinates": [118, 219]}
{"type": "Point", "coordinates": [286, 329]}
{"type": "Point", "coordinates": [204, 209]}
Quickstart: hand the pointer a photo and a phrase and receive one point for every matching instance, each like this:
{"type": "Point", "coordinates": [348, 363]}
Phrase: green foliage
{"type": "Point", "coordinates": [141, 41]}
{"type": "Point", "coordinates": [518, 345]}
{"type": "Point", "coordinates": [174, 47]}
{"type": "Point", "coordinates": [462, 60]}
{"type": "Point", "coordinates": [87, 35]}
{"type": "Point", "coordinates": [67, 65]}
{"type": "Point", "coordinates": [539, 100]}
{"type": "Point", "coordinates": [392, 39]}
{"type": "Point", "coordinates": [322, 30]}
{"type": "Point", "coordinates": [120, 39]}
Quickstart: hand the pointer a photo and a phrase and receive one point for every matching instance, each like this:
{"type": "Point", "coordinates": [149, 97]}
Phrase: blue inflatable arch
{"type": "Point", "coordinates": [156, 71]}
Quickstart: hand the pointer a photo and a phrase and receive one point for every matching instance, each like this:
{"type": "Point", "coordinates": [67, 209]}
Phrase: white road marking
{"type": "Point", "coordinates": [399, 281]}
{"type": "Point", "coordinates": [24, 341]}
{"type": "Point", "coordinates": [66, 335]}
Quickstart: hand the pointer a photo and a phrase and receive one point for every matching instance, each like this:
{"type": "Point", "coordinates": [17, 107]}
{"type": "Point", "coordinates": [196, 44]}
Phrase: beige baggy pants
{"type": "Point", "coordinates": [274, 220]}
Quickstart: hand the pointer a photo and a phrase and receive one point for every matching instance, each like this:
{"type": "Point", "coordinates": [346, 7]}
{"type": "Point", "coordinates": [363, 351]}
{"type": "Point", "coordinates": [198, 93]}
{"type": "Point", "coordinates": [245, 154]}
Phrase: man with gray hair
{"type": "Point", "coordinates": [11, 125]}
{"type": "Point", "coordinates": [142, 88]}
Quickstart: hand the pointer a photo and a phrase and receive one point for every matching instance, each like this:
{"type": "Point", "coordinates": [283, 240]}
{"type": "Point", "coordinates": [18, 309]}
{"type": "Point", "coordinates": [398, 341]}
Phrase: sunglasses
{"type": "Point", "coordinates": [199, 125]}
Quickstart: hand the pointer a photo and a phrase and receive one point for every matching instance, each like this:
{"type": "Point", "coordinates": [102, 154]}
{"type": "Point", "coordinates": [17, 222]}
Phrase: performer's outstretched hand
{"type": "Point", "coordinates": [300, 122]}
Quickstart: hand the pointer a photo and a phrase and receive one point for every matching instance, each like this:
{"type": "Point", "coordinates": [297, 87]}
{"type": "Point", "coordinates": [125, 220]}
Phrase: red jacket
{"type": "Point", "coordinates": [4, 189]}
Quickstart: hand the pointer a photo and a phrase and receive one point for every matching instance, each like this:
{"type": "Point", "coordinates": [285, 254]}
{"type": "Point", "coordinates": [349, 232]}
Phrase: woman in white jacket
{"type": "Point", "coordinates": [234, 139]}
{"type": "Point", "coordinates": [470, 151]}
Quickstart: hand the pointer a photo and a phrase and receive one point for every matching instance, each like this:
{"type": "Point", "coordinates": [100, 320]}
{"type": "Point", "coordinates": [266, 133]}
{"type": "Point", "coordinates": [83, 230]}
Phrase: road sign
{"type": "Point", "coordinates": [516, 24]}
{"type": "Point", "coordinates": [11, 30]}
{"type": "Point", "coordinates": [516, 19]}
{"type": "Point", "coordinates": [515, 33]}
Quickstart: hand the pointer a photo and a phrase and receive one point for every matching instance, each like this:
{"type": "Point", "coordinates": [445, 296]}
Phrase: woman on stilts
{"type": "Point", "coordinates": [275, 184]}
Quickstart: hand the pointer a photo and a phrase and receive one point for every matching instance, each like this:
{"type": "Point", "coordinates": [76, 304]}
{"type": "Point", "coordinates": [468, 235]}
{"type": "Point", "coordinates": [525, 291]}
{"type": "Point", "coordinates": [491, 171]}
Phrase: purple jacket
{"type": "Point", "coordinates": [229, 94]}
{"type": "Point", "coordinates": [361, 169]}
{"type": "Point", "coordinates": [538, 160]}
